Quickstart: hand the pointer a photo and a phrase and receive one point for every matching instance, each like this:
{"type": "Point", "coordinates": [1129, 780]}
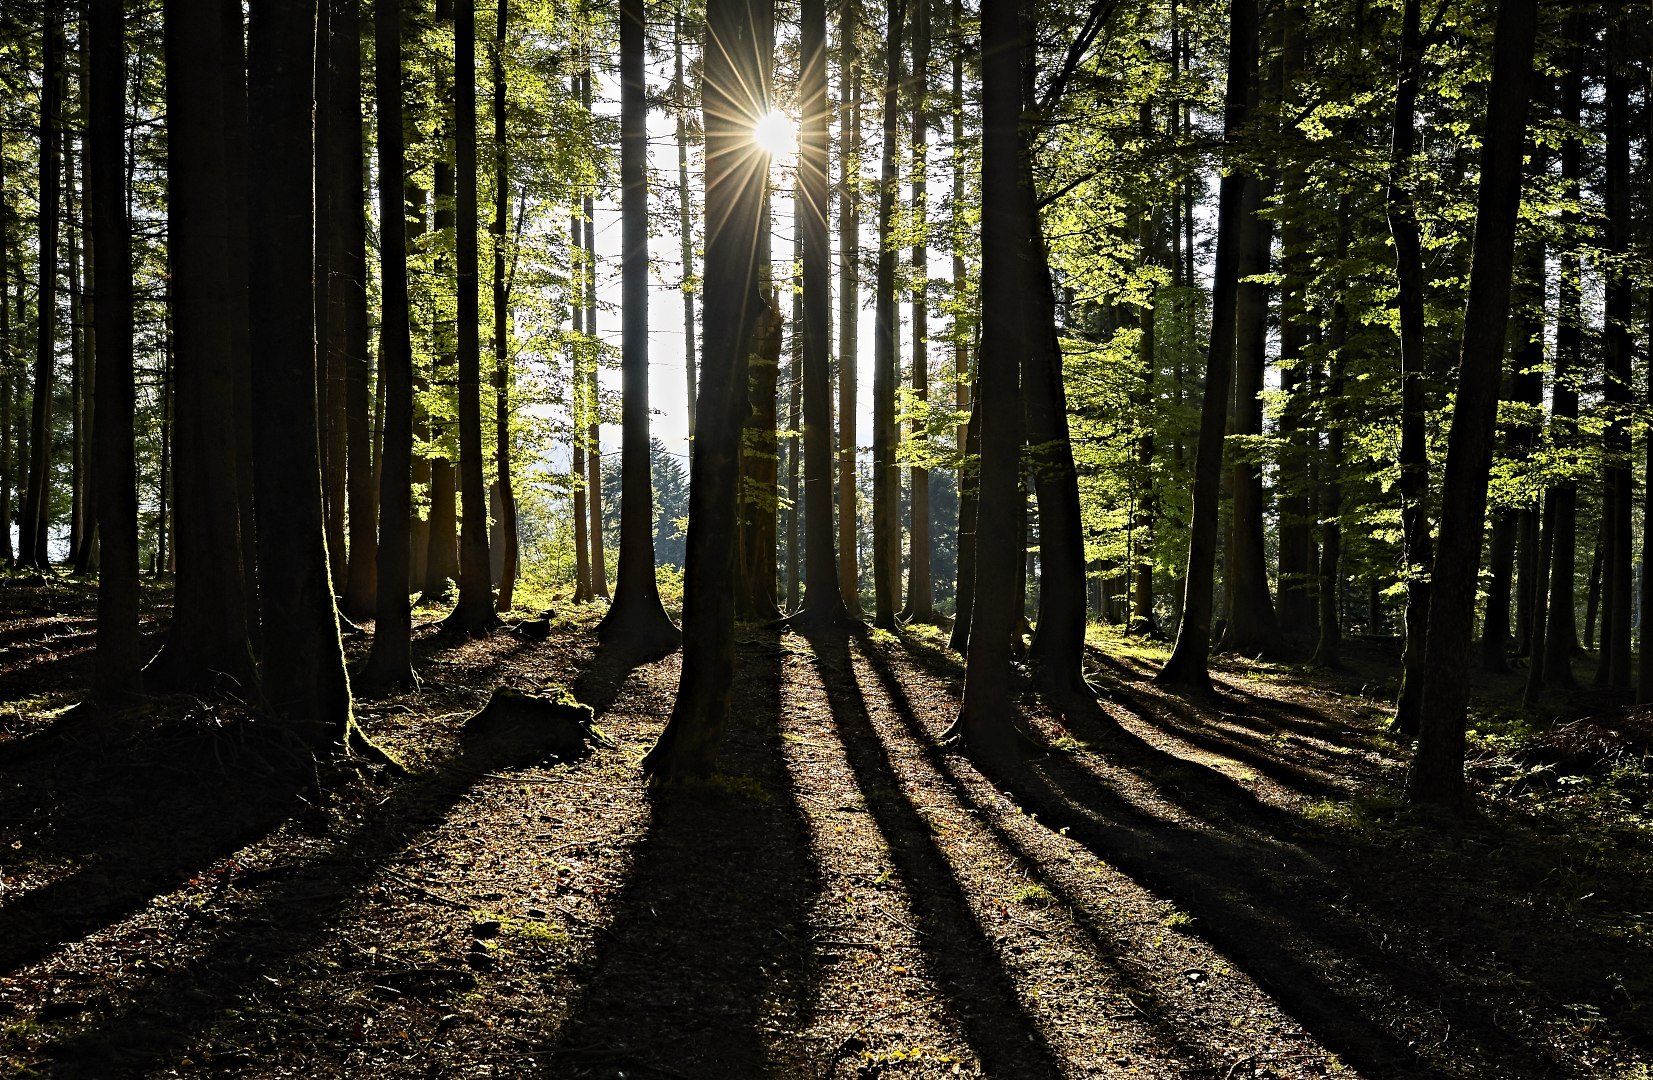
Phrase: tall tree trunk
{"type": "Point", "coordinates": [349, 295]}
{"type": "Point", "coordinates": [637, 618]}
{"type": "Point", "coordinates": [920, 590]}
{"type": "Point", "coordinates": [390, 665]}
{"type": "Point", "coordinates": [303, 672]}
{"type": "Point", "coordinates": [594, 439]}
{"type": "Point", "coordinates": [329, 295]}
{"type": "Point", "coordinates": [420, 469]}
{"type": "Point", "coordinates": [1187, 666]}
{"type": "Point", "coordinates": [1644, 674]}
{"type": "Point", "coordinates": [507, 525]}
{"type": "Point", "coordinates": [1617, 312]}
{"type": "Point", "coordinates": [8, 429]}
{"type": "Point", "coordinates": [755, 542]}
{"type": "Point", "coordinates": [1561, 628]}
{"type": "Point", "coordinates": [985, 721]}
{"type": "Point", "coordinates": [1329, 644]}
{"type": "Point", "coordinates": [37, 498]}
{"type": "Point", "coordinates": [685, 210]}
{"type": "Point", "coordinates": [793, 568]}
{"type": "Point", "coordinates": [79, 411]}
{"type": "Point", "coordinates": [579, 348]}
{"type": "Point", "coordinates": [118, 643]}
{"type": "Point", "coordinates": [1417, 556]}
{"type": "Point", "coordinates": [823, 602]}
{"type": "Point", "coordinates": [475, 611]}
{"type": "Point", "coordinates": [1437, 773]}
{"type": "Point", "coordinates": [442, 558]}
{"type": "Point", "coordinates": [849, 302]}
{"type": "Point", "coordinates": [886, 476]}
{"type": "Point", "coordinates": [1528, 380]}
{"type": "Point", "coordinates": [737, 64]}
{"type": "Point", "coordinates": [208, 637]}
{"type": "Point", "coordinates": [1538, 650]}
{"type": "Point", "coordinates": [964, 472]}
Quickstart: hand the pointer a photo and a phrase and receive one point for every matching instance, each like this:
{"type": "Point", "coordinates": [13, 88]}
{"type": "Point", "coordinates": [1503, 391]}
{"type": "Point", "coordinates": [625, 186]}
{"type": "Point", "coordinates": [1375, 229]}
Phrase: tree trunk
{"type": "Point", "coordinates": [755, 565]}
{"type": "Point", "coordinates": [208, 637]}
{"type": "Point", "coordinates": [475, 610]}
{"type": "Point", "coordinates": [303, 672]}
{"type": "Point", "coordinates": [1616, 637]}
{"type": "Point", "coordinates": [637, 618]}
{"type": "Point", "coordinates": [849, 302]}
{"type": "Point", "coordinates": [1538, 648]}
{"type": "Point", "coordinates": [737, 64]}
{"type": "Point", "coordinates": [390, 665]}
{"type": "Point", "coordinates": [886, 365]}
{"type": "Point", "coordinates": [37, 498]}
{"type": "Point", "coordinates": [7, 427]}
{"type": "Point", "coordinates": [1010, 331]}
{"type": "Point", "coordinates": [506, 550]}
{"type": "Point", "coordinates": [349, 295]}
{"type": "Point", "coordinates": [920, 590]}
{"type": "Point", "coordinates": [1416, 552]}
{"type": "Point", "coordinates": [578, 427]}
{"type": "Point", "coordinates": [1527, 381]}
{"type": "Point", "coordinates": [823, 599]}
{"type": "Point", "coordinates": [118, 643]}
{"type": "Point", "coordinates": [420, 469]}
{"type": "Point", "coordinates": [1495, 627]}
{"type": "Point", "coordinates": [969, 510]}
{"type": "Point", "coordinates": [685, 218]}
{"type": "Point", "coordinates": [1437, 773]}
{"type": "Point", "coordinates": [1187, 666]}
{"type": "Point", "coordinates": [794, 403]}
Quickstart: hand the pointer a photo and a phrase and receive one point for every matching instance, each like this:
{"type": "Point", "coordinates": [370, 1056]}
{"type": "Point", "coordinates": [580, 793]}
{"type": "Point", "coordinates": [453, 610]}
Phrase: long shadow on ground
{"type": "Point", "coordinates": [707, 964]}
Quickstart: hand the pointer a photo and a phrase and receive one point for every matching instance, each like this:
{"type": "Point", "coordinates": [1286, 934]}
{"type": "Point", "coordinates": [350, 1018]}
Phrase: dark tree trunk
{"type": "Point", "coordinates": [886, 365]}
{"type": "Point", "coordinates": [1329, 643]}
{"type": "Point", "coordinates": [390, 665]}
{"type": "Point", "coordinates": [442, 558]}
{"type": "Point", "coordinates": [208, 638]}
{"type": "Point", "coordinates": [578, 427]}
{"type": "Point", "coordinates": [1009, 332]}
{"type": "Point", "coordinates": [1616, 637]}
{"type": "Point", "coordinates": [1592, 591]}
{"type": "Point", "coordinates": [594, 440]}
{"type": "Point", "coordinates": [755, 571]}
{"type": "Point", "coordinates": [1644, 674]}
{"type": "Point", "coordinates": [418, 523]}
{"type": "Point", "coordinates": [792, 570]}
{"type": "Point", "coordinates": [505, 552]}
{"type": "Point", "coordinates": [118, 642]}
{"type": "Point", "coordinates": [637, 618]}
{"type": "Point", "coordinates": [348, 292]}
{"type": "Point", "coordinates": [964, 585]}
{"type": "Point", "coordinates": [849, 302]}
{"type": "Point", "coordinates": [1528, 383]}
{"type": "Point", "coordinates": [920, 605]}
{"type": "Point", "coordinates": [7, 428]}
{"type": "Point", "coordinates": [685, 219]}
{"type": "Point", "coordinates": [37, 498]}
{"type": "Point", "coordinates": [1187, 666]}
{"type": "Point", "coordinates": [1437, 774]}
{"type": "Point", "coordinates": [739, 36]}
{"type": "Point", "coordinates": [475, 611]}
{"type": "Point", "coordinates": [964, 601]}
{"type": "Point", "coordinates": [823, 599]}
{"type": "Point", "coordinates": [303, 672]}
{"type": "Point", "coordinates": [1417, 556]}
{"type": "Point", "coordinates": [1538, 647]}
{"type": "Point", "coordinates": [1495, 627]}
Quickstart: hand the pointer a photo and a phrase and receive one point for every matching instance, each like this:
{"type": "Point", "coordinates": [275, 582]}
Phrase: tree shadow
{"type": "Point", "coordinates": [977, 989]}
{"type": "Point", "coordinates": [708, 959]}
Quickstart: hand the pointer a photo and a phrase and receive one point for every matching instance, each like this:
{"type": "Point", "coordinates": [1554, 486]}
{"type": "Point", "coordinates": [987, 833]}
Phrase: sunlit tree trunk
{"type": "Point", "coordinates": [507, 525]}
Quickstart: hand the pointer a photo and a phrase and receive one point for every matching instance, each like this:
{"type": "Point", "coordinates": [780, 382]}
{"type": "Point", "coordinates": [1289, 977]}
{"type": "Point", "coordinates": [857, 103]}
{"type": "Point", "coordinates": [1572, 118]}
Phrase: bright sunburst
{"type": "Point", "coordinates": [776, 134]}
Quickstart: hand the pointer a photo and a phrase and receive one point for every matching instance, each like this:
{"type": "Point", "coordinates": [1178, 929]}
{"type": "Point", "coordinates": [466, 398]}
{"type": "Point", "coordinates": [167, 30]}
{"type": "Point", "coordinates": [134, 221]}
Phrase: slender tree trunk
{"type": "Point", "coordinates": [1437, 773]}
{"type": "Point", "coordinates": [794, 403]}
{"type": "Point", "coordinates": [349, 293]}
{"type": "Point", "coordinates": [1187, 666]}
{"type": "Point", "coordinates": [886, 476]}
{"type": "Point", "coordinates": [849, 302]}
{"type": "Point", "coordinates": [208, 638]}
{"type": "Point", "coordinates": [420, 471]}
{"type": "Point", "coordinates": [329, 292]}
{"type": "Point", "coordinates": [32, 528]}
{"type": "Point", "coordinates": [1644, 674]}
{"type": "Point", "coordinates": [969, 512]}
{"type": "Point", "coordinates": [1414, 452]}
{"type": "Point", "coordinates": [1328, 647]}
{"type": "Point", "coordinates": [507, 524]}
{"type": "Point", "coordinates": [118, 643]}
{"type": "Point", "coordinates": [578, 428]}
{"type": "Point", "coordinates": [961, 332]}
{"type": "Point", "coordinates": [920, 590]}
{"type": "Point", "coordinates": [985, 721]}
{"type": "Point", "coordinates": [1528, 380]}
{"type": "Point", "coordinates": [594, 440]}
{"type": "Point", "coordinates": [475, 611]}
{"type": "Point", "coordinates": [823, 602]}
{"type": "Point", "coordinates": [1539, 647]}
{"type": "Point", "coordinates": [637, 617]}
{"type": "Point", "coordinates": [685, 210]}
{"type": "Point", "coordinates": [390, 665]}
{"type": "Point", "coordinates": [8, 428]}
{"type": "Point", "coordinates": [1592, 590]}
{"type": "Point", "coordinates": [737, 64]}
{"type": "Point", "coordinates": [304, 680]}
{"type": "Point", "coordinates": [1616, 637]}
{"type": "Point", "coordinates": [79, 410]}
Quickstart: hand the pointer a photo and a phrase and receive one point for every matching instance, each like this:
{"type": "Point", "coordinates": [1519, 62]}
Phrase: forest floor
{"type": "Point", "coordinates": [1217, 888]}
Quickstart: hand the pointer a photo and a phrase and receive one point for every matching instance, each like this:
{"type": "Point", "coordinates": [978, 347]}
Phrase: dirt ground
{"type": "Point", "coordinates": [1220, 888]}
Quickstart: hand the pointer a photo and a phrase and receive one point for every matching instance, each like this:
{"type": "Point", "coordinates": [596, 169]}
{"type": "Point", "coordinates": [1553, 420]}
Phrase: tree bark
{"type": "Point", "coordinates": [390, 665]}
{"type": "Point", "coordinates": [849, 303]}
{"type": "Point", "coordinates": [117, 676]}
{"type": "Point", "coordinates": [1437, 773]}
{"type": "Point", "coordinates": [637, 617]}
{"type": "Point", "coordinates": [886, 476]}
{"type": "Point", "coordinates": [736, 90]}
{"type": "Point", "coordinates": [506, 552]}
{"type": "Point", "coordinates": [475, 610]}
{"type": "Point", "coordinates": [685, 218]}
{"type": "Point", "coordinates": [32, 527]}
{"type": "Point", "coordinates": [920, 605]}
{"type": "Point", "coordinates": [1187, 666]}
{"type": "Point", "coordinates": [1617, 312]}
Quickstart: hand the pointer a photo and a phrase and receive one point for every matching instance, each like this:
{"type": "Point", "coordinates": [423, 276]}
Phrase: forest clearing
{"type": "Point", "coordinates": [1227, 888]}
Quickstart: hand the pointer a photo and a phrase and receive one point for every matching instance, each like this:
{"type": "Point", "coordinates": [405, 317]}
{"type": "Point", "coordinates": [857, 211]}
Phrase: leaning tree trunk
{"type": "Point", "coordinates": [1187, 666]}
{"type": "Point", "coordinates": [113, 460]}
{"type": "Point", "coordinates": [737, 65]}
{"type": "Point", "coordinates": [1437, 773]}
{"type": "Point", "coordinates": [390, 665]}
{"type": "Point", "coordinates": [303, 672]}
{"type": "Point", "coordinates": [637, 619]}
{"type": "Point", "coordinates": [475, 610]}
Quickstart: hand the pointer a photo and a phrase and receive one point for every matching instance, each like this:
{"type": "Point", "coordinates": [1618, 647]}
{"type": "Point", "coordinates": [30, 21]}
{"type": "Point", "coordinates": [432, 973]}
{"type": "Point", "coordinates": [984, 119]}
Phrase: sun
{"type": "Point", "coordinates": [776, 134]}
